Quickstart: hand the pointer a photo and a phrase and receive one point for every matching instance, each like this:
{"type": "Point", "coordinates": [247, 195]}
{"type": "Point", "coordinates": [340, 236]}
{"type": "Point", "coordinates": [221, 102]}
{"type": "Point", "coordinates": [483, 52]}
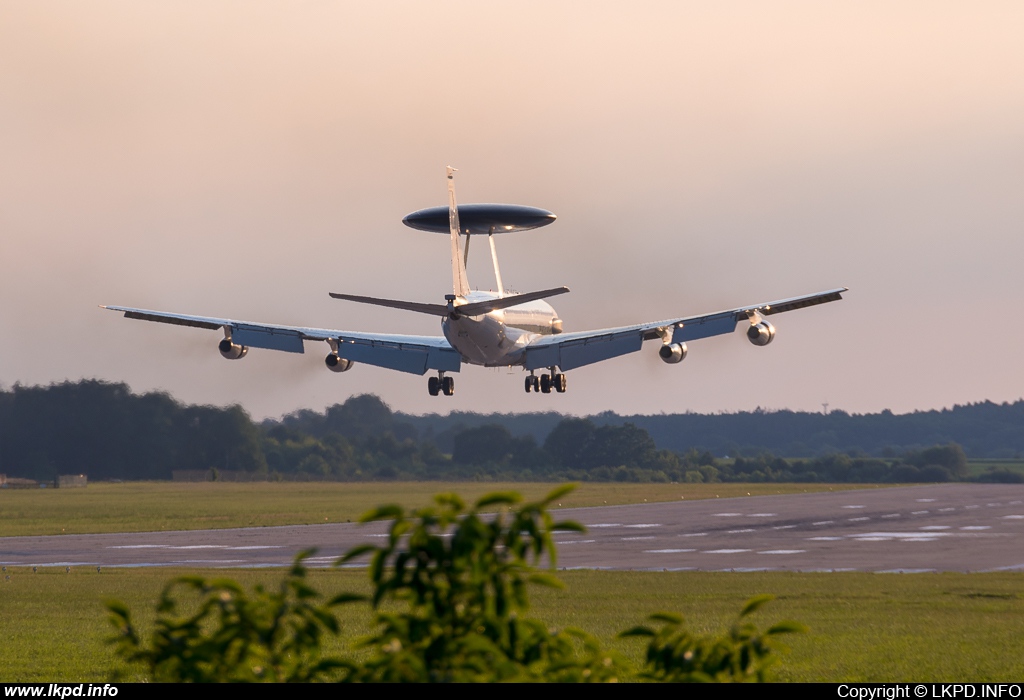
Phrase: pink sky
{"type": "Point", "coordinates": [243, 159]}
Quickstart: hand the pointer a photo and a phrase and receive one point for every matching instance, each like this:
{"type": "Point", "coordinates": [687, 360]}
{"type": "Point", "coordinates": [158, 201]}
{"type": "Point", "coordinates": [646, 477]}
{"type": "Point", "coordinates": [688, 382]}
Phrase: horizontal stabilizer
{"type": "Point", "coordinates": [478, 308]}
{"type": "Point", "coordinates": [432, 309]}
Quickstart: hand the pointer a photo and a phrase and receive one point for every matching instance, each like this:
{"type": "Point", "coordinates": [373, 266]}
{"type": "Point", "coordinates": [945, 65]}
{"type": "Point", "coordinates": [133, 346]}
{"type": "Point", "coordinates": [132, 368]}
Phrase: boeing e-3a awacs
{"type": "Point", "coordinates": [486, 328]}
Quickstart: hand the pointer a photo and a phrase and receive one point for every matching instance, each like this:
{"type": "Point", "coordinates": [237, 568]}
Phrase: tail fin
{"type": "Point", "coordinates": [460, 283]}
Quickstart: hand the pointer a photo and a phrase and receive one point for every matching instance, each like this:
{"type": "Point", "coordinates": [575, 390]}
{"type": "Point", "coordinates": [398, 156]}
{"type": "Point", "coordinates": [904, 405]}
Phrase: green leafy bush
{"type": "Point", "coordinates": [462, 577]}
{"type": "Point", "coordinates": [234, 636]}
{"type": "Point", "coordinates": [675, 655]}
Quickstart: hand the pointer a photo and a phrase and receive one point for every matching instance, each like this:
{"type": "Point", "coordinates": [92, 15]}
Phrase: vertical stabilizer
{"type": "Point", "coordinates": [460, 284]}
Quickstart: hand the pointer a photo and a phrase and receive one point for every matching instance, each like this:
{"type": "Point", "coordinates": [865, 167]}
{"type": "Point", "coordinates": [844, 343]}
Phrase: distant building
{"type": "Point", "coordinates": [70, 481]}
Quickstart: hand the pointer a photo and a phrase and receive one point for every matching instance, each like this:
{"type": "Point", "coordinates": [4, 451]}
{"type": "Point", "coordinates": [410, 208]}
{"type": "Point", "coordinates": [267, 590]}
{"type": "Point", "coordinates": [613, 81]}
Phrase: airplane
{"type": "Point", "coordinates": [492, 329]}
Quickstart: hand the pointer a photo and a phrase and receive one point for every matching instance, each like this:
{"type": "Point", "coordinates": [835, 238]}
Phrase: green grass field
{"type": "Point", "coordinates": [155, 506]}
{"type": "Point", "coordinates": [977, 467]}
{"type": "Point", "coordinates": [863, 627]}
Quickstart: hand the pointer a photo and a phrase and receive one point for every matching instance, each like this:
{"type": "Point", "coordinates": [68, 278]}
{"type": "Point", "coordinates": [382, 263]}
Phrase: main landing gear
{"type": "Point", "coordinates": [441, 385]}
{"type": "Point", "coordinates": [546, 382]}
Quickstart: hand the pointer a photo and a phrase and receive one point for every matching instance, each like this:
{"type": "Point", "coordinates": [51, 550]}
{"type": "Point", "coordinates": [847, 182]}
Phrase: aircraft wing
{"type": "Point", "coordinates": [415, 354]}
{"type": "Point", "coordinates": [570, 350]}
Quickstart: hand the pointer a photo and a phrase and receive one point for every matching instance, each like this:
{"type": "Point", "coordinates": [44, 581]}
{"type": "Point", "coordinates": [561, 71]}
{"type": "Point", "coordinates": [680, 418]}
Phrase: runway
{"type": "Point", "coordinates": [944, 527]}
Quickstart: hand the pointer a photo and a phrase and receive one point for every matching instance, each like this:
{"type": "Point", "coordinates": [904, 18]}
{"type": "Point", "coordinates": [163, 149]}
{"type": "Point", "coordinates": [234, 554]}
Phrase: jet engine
{"type": "Point", "coordinates": [336, 363]}
{"type": "Point", "coordinates": [230, 351]}
{"type": "Point", "coordinates": [672, 352]}
{"type": "Point", "coordinates": [761, 334]}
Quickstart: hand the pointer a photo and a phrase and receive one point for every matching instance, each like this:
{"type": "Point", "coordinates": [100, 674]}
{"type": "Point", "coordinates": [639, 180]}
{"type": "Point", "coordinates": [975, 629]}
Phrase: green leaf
{"type": "Point", "coordinates": [505, 498]}
{"type": "Point", "coordinates": [787, 627]}
{"type": "Point", "coordinates": [754, 603]}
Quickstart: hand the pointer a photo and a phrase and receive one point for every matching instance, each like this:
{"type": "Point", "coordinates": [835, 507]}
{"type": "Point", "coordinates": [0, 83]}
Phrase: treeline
{"type": "Point", "coordinates": [986, 430]}
{"type": "Point", "coordinates": [107, 432]}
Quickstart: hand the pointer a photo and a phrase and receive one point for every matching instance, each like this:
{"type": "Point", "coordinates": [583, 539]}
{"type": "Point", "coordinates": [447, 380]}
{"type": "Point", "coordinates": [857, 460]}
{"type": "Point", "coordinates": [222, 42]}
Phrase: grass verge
{"type": "Point", "coordinates": [156, 506]}
{"type": "Point", "coordinates": [863, 627]}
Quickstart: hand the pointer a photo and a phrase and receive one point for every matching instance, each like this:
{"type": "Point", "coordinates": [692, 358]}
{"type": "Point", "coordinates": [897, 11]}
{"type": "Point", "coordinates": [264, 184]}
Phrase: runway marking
{"type": "Point", "coordinates": [918, 512]}
{"type": "Point", "coordinates": [726, 515]}
{"type": "Point", "coordinates": [644, 525]}
{"type": "Point", "coordinates": [925, 500]}
{"type": "Point", "coordinates": [827, 571]}
{"type": "Point", "coordinates": [575, 542]}
{"type": "Point", "coordinates": [1016, 503]}
{"type": "Point", "coordinates": [748, 569]}
{"type": "Point", "coordinates": [971, 507]}
{"type": "Point", "coordinates": [825, 539]}
{"type": "Point", "coordinates": [906, 571]}
{"type": "Point", "coordinates": [1013, 517]}
{"type": "Point", "coordinates": [667, 551]}
{"type": "Point", "coordinates": [853, 506]}
{"type": "Point", "coordinates": [823, 522]}
{"type": "Point", "coordinates": [904, 535]}
{"type": "Point", "coordinates": [892, 515]}
{"type": "Point", "coordinates": [946, 510]}
{"type": "Point", "coordinates": [935, 527]}
{"type": "Point", "coordinates": [726, 551]}
{"type": "Point", "coordinates": [976, 527]}
{"type": "Point", "coordinates": [694, 534]}
{"type": "Point", "coordinates": [873, 539]}
{"type": "Point", "coordinates": [993, 505]}
{"type": "Point", "coordinates": [762, 515]}
{"type": "Point", "coordinates": [783, 527]}
{"type": "Point", "coordinates": [631, 539]}
{"type": "Point", "coordinates": [858, 520]}
{"type": "Point", "coordinates": [737, 532]}
{"type": "Point", "coordinates": [137, 546]}
{"type": "Point", "coordinates": [605, 525]}
{"type": "Point", "coordinates": [260, 546]}
{"type": "Point", "coordinates": [783, 551]}
{"type": "Point", "coordinates": [209, 561]}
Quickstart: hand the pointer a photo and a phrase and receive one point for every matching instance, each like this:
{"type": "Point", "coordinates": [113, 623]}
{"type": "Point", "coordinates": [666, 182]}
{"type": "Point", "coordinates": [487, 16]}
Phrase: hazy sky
{"type": "Point", "coordinates": [242, 159]}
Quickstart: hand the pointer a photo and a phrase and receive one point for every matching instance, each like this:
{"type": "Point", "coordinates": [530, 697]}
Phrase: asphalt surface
{"type": "Point", "coordinates": [944, 527]}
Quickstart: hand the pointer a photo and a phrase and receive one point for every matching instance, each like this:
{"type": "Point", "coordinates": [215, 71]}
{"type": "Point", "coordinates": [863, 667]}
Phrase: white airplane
{"type": "Point", "coordinates": [486, 328]}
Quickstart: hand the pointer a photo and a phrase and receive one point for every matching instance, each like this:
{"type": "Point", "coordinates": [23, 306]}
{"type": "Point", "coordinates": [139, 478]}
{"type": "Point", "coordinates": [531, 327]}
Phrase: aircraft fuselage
{"type": "Point", "coordinates": [498, 338]}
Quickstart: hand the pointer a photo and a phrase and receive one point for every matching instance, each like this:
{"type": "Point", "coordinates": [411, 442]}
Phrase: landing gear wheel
{"type": "Point", "coordinates": [536, 384]}
{"type": "Point", "coordinates": [559, 382]}
{"type": "Point", "coordinates": [448, 385]}
{"type": "Point", "coordinates": [529, 384]}
{"type": "Point", "coordinates": [433, 386]}
{"type": "Point", "coordinates": [545, 383]}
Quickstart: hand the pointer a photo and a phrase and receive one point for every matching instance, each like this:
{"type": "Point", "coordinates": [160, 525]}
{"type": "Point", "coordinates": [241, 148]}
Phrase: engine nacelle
{"type": "Point", "coordinates": [336, 363]}
{"type": "Point", "coordinates": [672, 352]}
{"type": "Point", "coordinates": [230, 351]}
{"type": "Point", "coordinates": [761, 334]}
